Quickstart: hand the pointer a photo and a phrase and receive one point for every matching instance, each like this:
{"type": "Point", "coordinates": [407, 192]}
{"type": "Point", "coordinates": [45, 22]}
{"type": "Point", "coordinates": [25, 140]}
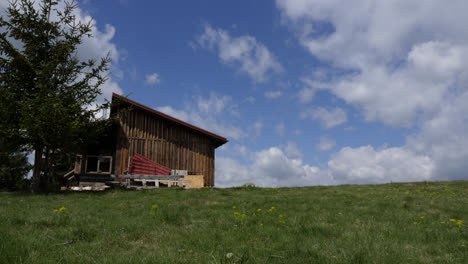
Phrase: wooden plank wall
{"type": "Point", "coordinates": [164, 142]}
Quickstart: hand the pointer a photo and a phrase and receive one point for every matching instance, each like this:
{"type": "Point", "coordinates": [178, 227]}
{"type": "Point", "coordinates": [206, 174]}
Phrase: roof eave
{"type": "Point", "coordinates": [222, 140]}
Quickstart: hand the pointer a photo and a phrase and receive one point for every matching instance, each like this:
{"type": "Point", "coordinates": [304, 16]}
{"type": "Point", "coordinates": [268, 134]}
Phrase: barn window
{"type": "Point", "coordinates": [104, 165]}
{"type": "Point", "coordinates": [98, 164]}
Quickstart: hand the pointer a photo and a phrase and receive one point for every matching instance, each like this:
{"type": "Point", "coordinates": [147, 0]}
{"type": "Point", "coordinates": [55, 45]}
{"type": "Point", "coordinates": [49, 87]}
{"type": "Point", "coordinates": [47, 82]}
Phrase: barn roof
{"type": "Point", "coordinates": [218, 138]}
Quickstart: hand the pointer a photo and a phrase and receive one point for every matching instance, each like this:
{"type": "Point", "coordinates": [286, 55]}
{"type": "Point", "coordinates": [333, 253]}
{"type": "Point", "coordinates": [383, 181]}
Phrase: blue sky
{"type": "Point", "coordinates": [307, 92]}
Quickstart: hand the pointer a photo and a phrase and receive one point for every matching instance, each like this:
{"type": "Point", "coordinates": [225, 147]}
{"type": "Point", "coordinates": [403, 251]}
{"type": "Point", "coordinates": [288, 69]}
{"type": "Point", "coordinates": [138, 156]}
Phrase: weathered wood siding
{"type": "Point", "coordinates": [164, 142]}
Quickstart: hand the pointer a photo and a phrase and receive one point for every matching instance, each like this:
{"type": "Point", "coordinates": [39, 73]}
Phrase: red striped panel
{"type": "Point", "coordinates": [141, 165]}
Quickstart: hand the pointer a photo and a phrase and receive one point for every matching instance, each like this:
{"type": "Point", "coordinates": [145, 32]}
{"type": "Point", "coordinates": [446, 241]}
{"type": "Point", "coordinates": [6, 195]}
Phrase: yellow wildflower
{"type": "Point", "coordinates": [282, 222]}
{"type": "Point", "coordinates": [62, 209]}
{"type": "Point", "coordinates": [460, 223]}
{"type": "Point", "coordinates": [243, 215]}
{"type": "Point", "coordinates": [452, 220]}
{"type": "Point", "coordinates": [155, 206]}
{"type": "Point", "coordinates": [442, 222]}
{"type": "Point", "coordinates": [259, 209]}
{"type": "Point", "coordinates": [55, 210]}
{"type": "Point", "coordinates": [234, 207]}
{"type": "Point", "coordinates": [422, 217]}
{"type": "Point", "coordinates": [280, 216]}
{"type": "Point", "coordinates": [415, 223]}
{"type": "Point", "coordinates": [261, 224]}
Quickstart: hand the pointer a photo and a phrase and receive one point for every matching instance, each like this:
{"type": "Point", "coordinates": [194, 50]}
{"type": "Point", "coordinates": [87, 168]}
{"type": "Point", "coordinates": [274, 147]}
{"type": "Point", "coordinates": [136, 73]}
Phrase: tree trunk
{"type": "Point", "coordinates": [37, 186]}
{"type": "Point", "coordinates": [47, 167]}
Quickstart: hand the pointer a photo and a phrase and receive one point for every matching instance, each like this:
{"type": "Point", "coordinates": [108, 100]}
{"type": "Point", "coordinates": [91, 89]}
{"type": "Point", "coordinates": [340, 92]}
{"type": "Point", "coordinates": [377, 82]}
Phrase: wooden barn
{"type": "Point", "coordinates": [158, 137]}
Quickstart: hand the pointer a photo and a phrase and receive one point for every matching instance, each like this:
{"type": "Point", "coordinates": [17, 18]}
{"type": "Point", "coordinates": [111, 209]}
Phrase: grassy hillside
{"type": "Point", "coordinates": [391, 223]}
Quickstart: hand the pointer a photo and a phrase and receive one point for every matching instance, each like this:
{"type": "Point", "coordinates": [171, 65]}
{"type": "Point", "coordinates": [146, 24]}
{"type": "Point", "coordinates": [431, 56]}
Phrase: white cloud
{"type": "Point", "coordinates": [251, 56]}
{"type": "Point", "coordinates": [97, 46]}
{"type": "Point", "coordinates": [241, 150]}
{"type": "Point", "coordinates": [270, 167]}
{"type": "Point", "coordinates": [404, 56]}
{"type": "Point", "coordinates": [407, 66]}
{"type": "Point", "coordinates": [179, 114]}
{"type": "Point", "coordinates": [326, 143]}
{"type": "Point", "coordinates": [209, 114]}
{"type": "Point", "coordinates": [280, 129]}
{"type": "Point", "coordinates": [438, 152]}
{"type": "Point", "coordinates": [366, 165]}
{"type": "Point", "coordinates": [367, 31]}
{"type": "Point", "coordinates": [152, 79]}
{"type": "Point", "coordinates": [313, 84]}
{"type": "Point", "coordinates": [306, 95]}
{"type": "Point", "coordinates": [363, 165]}
{"type": "Point", "coordinates": [292, 151]}
{"type": "Point", "coordinates": [216, 104]}
{"type": "Point", "coordinates": [273, 94]}
{"type": "Point", "coordinates": [445, 140]}
{"type": "Point", "coordinates": [328, 118]}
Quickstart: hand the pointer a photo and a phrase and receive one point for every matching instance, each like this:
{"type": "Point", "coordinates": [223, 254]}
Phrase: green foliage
{"type": "Point", "coordinates": [323, 224]}
{"type": "Point", "coordinates": [248, 185]}
{"type": "Point", "coordinates": [13, 167]}
{"type": "Point", "coordinates": [13, 151]}
{"type": "Point", "coordinates": [50, 89]}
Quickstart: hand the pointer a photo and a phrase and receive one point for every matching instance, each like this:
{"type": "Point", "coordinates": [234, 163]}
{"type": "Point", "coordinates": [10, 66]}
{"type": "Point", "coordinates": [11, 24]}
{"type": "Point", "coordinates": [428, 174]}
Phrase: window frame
{"type": "Point", "coordinates": [98, 164]}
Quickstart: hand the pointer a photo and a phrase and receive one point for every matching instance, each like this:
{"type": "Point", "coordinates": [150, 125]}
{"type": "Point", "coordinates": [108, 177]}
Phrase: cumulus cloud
{"type": "Point", "coordinates": [402, 63]}
{"type": "Point", "coordinates": [152, 79]}
{"type": "Point", "coordinates": [244, 52]}
{"type": "Point", "coordinates": [208, 113]}
{"type": "Point", "coordinates": [269, 167]}
{"type": "Point", "coordinates": [366, 165]}
{"type": "Point", "coordinates": [273, 94]}
{"type": "Point", "coordinates": [404, 57]}
{"type": "Point", "coordinates": [292, 151]}
{"type": "Point", "coordinates": [328, 118]}
{"type": "Point", "coordinates": [326, 143]}
{"type": "Point", "coordinates": [284, 166]}
{"type": "Point", "coordinates": [444, 139]}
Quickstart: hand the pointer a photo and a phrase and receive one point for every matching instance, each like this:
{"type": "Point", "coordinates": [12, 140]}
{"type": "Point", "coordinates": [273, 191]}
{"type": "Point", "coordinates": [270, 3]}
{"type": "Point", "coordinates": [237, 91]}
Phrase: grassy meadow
{"type": "Point", "coordinates": [390, 223]}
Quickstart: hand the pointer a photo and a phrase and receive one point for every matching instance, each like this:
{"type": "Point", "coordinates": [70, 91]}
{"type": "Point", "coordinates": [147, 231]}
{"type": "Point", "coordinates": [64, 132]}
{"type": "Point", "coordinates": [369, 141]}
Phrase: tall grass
{"type": "Point", "coordinates": [390, 223]}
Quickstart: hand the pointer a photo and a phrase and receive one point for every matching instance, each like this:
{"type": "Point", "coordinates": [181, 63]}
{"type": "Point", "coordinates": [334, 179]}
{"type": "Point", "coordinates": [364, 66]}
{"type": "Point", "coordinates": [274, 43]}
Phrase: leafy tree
{"type": "Point", "coordinates": [51, 89]}
{"type": "Point", "coordinates": [13, 150]}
